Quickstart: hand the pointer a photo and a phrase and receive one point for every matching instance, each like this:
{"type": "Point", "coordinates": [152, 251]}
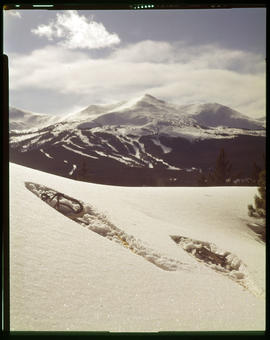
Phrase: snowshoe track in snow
{"type": "Point", "coordinates": [98, 223]}
{"type": "Point", "coordinates": [219, 260]}
{"type": "Point", "coordinates": [209, 254]}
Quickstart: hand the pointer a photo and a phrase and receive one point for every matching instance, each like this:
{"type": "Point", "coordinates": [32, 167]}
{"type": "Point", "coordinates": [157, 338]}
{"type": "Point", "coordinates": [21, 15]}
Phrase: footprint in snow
{"type": "Point", "coordinates": [219, 260]}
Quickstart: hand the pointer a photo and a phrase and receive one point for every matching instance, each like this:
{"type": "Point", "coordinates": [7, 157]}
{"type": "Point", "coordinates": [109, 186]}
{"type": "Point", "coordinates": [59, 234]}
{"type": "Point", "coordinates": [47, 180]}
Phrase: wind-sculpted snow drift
{"type": "Point", "coordinates": [207, 253]}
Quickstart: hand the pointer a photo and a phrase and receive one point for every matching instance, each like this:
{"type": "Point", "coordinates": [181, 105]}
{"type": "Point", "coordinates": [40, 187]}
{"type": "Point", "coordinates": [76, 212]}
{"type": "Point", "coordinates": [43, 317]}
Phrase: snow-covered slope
{"type": "Point", "coordinates": [147, 109]}
{"type": "Point", "coordinates": [67, 277]}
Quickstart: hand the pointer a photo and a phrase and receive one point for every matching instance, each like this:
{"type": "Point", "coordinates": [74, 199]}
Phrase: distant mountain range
{"type": "Point", "coordinates": [144, 141]}
{"type": "Point", "coordinates": [141, 111]}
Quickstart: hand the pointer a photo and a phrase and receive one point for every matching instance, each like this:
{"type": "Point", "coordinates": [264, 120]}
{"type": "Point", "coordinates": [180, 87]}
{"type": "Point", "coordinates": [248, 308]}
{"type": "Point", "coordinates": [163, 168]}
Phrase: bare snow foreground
{"type": "Point", "coordinates": [183, 258]}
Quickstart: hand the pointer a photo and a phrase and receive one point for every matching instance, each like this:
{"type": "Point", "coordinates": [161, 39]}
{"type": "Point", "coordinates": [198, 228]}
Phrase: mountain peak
{"type": "Point", "coordinates": [149, 96]}
{"type": "Point", "coordinates": [215, 114]}
{"type": "Point", "coordinates": [151, 99]}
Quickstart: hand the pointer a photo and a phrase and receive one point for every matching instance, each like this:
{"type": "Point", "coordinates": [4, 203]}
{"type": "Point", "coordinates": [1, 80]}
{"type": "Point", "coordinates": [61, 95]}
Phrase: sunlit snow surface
{"type": "Point", "coordinates": [66, 276]}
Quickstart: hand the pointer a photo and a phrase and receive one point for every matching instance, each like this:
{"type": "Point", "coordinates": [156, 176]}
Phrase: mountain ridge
{"type": "Point", "coordinates": [141, 111]}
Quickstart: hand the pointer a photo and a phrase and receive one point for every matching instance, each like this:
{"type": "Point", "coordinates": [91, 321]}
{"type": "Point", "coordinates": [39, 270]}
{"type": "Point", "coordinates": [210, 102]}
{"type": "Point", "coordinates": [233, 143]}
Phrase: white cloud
{"type": "Point", "coordinates": [44, 30]}
{"type": "Point", "coordinates": [199, 57]}
{"type": "Point", "coordinates": [146, 51]}
{"type": "Point", "coordinates": [76, 31]}
{"type": "Point", "coordinates": [178, 73]}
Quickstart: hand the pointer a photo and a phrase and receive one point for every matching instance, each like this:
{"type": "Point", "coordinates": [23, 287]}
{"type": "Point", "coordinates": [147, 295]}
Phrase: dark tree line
{"type": "Point", "coordinates": [222, 174]}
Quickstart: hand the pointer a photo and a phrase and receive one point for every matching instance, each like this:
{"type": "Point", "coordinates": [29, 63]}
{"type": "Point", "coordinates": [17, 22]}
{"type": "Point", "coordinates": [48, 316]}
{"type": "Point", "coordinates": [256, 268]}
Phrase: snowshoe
{"type": "Point", "coordinates": [66, 205]}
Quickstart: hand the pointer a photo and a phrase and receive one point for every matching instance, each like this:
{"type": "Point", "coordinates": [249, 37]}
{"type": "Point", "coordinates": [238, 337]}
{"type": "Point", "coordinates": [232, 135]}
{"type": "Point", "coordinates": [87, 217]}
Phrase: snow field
{"type": "Point", "coordinates": [67, 277]}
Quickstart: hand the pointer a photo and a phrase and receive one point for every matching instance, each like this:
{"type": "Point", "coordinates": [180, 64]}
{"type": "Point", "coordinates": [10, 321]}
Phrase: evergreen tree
{"type": "Point", "coordinates": [222, 172]}
{"type": "Point", "coordinates": [260, 206]}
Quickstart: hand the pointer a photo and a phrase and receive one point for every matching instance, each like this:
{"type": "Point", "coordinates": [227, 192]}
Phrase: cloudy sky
{"type": "Point", "coordinates": [63, 61]}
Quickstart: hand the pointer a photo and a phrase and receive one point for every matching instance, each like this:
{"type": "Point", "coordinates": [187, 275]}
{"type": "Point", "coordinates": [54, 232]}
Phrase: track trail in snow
{"type": "Point", "coordinates": [223, 262]}
{"type": "Point", "coordinates": [99, 224]}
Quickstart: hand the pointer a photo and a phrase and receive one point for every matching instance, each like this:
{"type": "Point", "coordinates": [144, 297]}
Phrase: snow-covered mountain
{"type": "Point", "coordinates": [213, 114]}
{"type": "Point", "coordinates": [145, 111]}
{"type": "Point", "coordinates": [23, 120]}
{"type": "Point", "coordinates": [90, 112]}
{"type": "Point", "coordinates": [130, 264]}
{"type": "Point", "coordinates": [144, 141]}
